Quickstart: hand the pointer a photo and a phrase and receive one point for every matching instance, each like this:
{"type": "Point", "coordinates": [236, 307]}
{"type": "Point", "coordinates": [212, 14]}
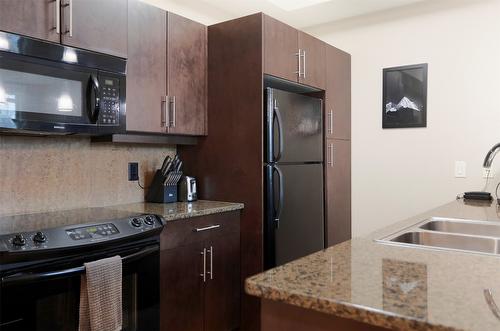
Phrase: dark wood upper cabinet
{"type": "Point", "coordinates": [146, 68]}
{"type": "Point", "coordinates": [96, 25]}
{"type": "Point", "coordinates": [181, 288]}
{"type": "Point", "coordinates": [338, 94]}
{"type": "Point", "coordinates": [187, 76]}
{"type": "Point", "coordinates": [292, 54]}
{"type": "Point", "coordinates": [222, 307]}
{"type": "Point", "coordinates": [280, 49]}
{"type": "Point", "coordinates": [313, 60]}
{"type": "Point", "coordinates": [167, 72]}
{"type": "Point", "coordinates": [33, 18]}
{"type": "Point", "coordinates": [338, 190]}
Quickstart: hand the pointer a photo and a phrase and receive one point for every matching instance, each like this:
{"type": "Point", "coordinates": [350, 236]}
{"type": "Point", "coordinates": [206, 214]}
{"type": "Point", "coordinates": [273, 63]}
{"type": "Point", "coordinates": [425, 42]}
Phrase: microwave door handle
{"type": "Point", "coordinates": [94, 100]}
{"type": "Point", "coordinates": [24, 278]}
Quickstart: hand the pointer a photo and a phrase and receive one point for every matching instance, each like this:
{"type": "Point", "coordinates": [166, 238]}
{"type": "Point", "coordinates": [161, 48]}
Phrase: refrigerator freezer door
{"type": "Point", "coordinates": [294, 128]}
{"type": "Point", "coordinates": [300, 230]}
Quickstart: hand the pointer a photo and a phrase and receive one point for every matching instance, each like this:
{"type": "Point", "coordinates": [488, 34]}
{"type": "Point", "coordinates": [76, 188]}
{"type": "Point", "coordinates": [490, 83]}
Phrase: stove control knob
{"type": "Point", "coordinates": [40, 237]}
{"type": "Point", "coordinates": [137, 222]}
{"type": "Point", "coordinates": [149, 220]}
{"type": "Point", "coordinates": [18, 240]}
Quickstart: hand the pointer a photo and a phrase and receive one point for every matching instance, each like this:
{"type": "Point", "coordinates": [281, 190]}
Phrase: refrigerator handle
{"type": "Point", "coordinates": [279, 210]}
{"type": "Point", "coordinates": [277, 115]}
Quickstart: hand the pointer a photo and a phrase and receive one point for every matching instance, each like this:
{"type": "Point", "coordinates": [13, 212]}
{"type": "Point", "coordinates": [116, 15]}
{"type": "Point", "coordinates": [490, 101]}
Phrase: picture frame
{"type": "Point", "coordinates": [404, 101]}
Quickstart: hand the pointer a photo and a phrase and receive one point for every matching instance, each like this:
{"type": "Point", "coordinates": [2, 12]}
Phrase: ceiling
{"type": "Point", "coordinates": [303, 13]}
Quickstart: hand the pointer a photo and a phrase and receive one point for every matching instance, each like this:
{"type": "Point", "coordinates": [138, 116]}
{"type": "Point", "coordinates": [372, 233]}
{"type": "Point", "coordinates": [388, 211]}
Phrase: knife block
{"type": "Point", "coordinates": [164, 189]}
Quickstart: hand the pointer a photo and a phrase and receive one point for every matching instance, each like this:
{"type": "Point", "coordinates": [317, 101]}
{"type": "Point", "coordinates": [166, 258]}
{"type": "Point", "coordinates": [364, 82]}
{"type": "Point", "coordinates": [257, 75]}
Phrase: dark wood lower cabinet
{"type": "Point", "coordinates": [181, 288]}
{"type": "Point", "coordinates": [222, 293]}
{"type": "Point", "coordinates": [200, 274]}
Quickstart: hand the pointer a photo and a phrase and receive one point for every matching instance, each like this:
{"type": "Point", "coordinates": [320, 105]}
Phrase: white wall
{"type": "Point", "coordinates": [398, 173]}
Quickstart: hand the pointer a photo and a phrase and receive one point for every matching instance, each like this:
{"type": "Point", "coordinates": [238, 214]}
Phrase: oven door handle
{"type": "Point", "coordinates": [23, 278]}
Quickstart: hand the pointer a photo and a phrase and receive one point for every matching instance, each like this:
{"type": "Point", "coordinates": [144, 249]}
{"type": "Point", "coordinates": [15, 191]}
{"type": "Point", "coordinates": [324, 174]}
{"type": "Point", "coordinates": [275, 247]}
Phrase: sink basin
{"type": "Point", "coordinates": [463, 227]}
{"type": "Point", "coordinates": [450, 241]}
{"type": "Point", "coordinates": [449, 234]}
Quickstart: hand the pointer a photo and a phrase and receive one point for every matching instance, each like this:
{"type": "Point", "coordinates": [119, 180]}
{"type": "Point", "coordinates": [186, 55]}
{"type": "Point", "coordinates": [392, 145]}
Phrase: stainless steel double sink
{"type": "Point", "coordinates": [450, 234]}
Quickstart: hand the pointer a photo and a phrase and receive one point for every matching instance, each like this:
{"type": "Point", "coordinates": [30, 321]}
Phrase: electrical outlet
{"type": "Point", "coordinates": [488, 173]}
{"type": "Point", "coordinates": [133, 171]}
{"type": "Point", "coordinates": [460, 169]}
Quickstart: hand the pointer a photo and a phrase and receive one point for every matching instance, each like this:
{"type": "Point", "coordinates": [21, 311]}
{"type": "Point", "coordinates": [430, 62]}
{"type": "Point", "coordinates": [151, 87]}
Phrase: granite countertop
{"type": "Point", "coordinates": [170, 212]}
{"type": "Point", "coordinates": [181, 210]}
{"type": "Point", "coordinates": [394, 287]}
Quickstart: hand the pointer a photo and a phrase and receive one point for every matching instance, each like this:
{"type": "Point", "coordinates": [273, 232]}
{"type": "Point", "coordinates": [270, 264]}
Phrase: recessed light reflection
{"type": "Point", "coordinates": [70, 56]}
{"type": "Point", "coordinates": [65, 103]}
{"type": "Point", "coordinates": [4, 43]}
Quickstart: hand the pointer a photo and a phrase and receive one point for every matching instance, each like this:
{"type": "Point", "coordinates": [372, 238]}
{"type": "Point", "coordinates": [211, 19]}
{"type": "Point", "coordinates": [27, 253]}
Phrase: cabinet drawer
{"type": "Point", "coordinates": [186, 231]}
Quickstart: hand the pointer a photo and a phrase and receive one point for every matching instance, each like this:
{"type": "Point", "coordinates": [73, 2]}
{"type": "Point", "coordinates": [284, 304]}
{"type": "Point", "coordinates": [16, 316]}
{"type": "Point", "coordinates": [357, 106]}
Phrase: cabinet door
{"type": "Point", "coordinates": [187, 76]}
{"type": "Point", "coordinates": [280, 49]}
{"type": "Point", "coordinates": [313, 60]}
{"type": "Point", "coordinates": [181, 286]}
{"type": "Point", "coordinates": [338, 191]}
{"type": "Point", "coordinates": [222, 292]}
{"type": "Point", "coordinates": [146, 68]}
{"type": "Point", "coordinates": [96, 25]}
{"type": "Point", "coordinates": [338, 94]}
{"type": "Point", "coordinates": [33, 18]}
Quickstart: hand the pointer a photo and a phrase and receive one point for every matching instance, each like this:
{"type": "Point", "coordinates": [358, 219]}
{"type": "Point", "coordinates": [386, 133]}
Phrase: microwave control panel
{"type": "Point", "coordinates": [110, 101]}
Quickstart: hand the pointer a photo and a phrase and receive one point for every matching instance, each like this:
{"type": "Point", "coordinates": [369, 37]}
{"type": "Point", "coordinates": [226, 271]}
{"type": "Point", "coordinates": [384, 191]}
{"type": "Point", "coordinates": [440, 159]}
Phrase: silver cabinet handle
{"type": "Point", "coordinates": [331, 150]}
{"type": "Point", "coordinates": [211, 227]}
{"type": "Point", "coordinates": [211, 272]}
{"type": "Point", "coordinates": [330, 116]}
{"type": "Point", "coordinates": [299, 55]}
{"type": "Point", "coordinates": [163, 111]}
{"type": "Point", "coordinates": [204, 274]}
{"type": "Point", "coordinates": [71, 18]}
{"type": "Point", "coordinates": [304, 67]}
{"type": "Point", "coordinates": [70, 29]}
{"type": "Point", "coordinates": [173, 111]}
{"type": "Point", "coordinates": [171, 106]}
{"type": "Point", "coordinates": [58, 16]}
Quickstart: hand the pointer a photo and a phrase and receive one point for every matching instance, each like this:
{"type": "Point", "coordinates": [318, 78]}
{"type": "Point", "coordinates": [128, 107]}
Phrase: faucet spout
{"type": "Point", "coordinates": [491, 155]}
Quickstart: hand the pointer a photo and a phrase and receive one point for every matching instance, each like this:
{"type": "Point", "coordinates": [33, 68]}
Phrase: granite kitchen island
{"type": "Point", "coordinates": [366, 285]}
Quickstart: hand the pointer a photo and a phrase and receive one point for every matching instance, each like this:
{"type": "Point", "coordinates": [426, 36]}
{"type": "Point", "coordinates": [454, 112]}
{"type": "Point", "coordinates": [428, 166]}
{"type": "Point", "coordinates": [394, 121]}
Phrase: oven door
{"type": "Point", "coordinates": [47, 298]}
{"type": "Point", "coordinates": [54, 97]}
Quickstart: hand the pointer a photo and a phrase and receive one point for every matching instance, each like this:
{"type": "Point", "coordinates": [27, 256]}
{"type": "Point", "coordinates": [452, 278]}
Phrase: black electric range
{"type": "Point", "coordinates": [42, 262]}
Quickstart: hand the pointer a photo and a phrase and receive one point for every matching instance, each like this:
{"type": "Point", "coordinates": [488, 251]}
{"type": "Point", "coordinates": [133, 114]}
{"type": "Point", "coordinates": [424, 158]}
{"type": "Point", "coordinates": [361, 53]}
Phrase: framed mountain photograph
{"type": "Point", "coordinates": [405, 97]}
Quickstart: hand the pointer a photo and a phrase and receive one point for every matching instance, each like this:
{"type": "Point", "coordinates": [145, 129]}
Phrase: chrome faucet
{"type": "Point", "coordinates": [490, 156]}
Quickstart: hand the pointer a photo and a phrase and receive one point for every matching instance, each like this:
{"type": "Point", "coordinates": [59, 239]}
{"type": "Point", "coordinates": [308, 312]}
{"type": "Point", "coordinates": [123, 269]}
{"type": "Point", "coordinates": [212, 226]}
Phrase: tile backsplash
{"type": "Point", "coordinates": [54, 173]}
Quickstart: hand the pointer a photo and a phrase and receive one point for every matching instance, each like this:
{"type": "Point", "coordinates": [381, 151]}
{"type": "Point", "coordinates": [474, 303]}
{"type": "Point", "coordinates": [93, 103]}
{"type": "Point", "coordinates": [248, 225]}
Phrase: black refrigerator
{"type": "Point", "coordinates": [293, 175]}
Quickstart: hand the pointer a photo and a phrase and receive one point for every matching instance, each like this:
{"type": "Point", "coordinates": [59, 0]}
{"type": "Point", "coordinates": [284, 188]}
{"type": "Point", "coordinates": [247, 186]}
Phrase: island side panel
{"type": "Point", "coordinates": [282, 316]}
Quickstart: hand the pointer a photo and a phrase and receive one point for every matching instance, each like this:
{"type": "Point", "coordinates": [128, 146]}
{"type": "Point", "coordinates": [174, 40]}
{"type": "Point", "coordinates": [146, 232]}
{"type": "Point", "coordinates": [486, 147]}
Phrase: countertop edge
{"type": "Point", "coordinates": [205, 212]}
{"type": "Point", "coordinates": [342, 309]}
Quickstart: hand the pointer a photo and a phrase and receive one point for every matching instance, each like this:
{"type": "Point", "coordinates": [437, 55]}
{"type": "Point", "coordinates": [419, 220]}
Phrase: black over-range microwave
{"type": "Point", "coordinates": [54, 89]}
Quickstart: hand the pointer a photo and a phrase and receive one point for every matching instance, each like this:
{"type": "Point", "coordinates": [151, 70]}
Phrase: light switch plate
{"type": "Point", "coordinates": [460, 169]}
